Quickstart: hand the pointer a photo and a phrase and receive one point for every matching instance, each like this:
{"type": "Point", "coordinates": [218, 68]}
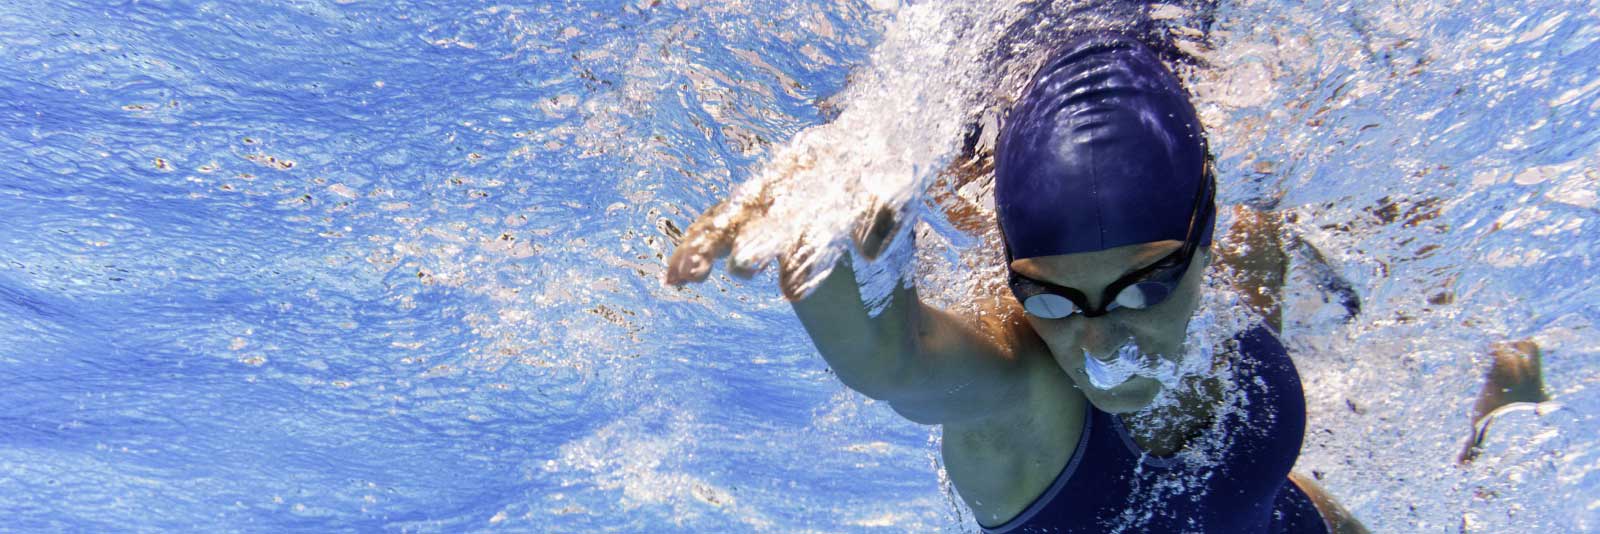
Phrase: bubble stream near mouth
{"type": "Point", "coordinates": [1121, 368]}
{"type": "Point", "coordinates": [1129, 361]}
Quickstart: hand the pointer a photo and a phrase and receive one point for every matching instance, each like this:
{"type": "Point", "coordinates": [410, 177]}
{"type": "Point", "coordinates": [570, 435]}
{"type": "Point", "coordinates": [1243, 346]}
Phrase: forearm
{"type": "Point", "coordinates": [867, 353]}
{"type": "Point", "coordinates": [1258, 261]}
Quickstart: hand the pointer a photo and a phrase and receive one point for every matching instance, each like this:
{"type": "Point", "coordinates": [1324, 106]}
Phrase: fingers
{"type": "Point", "coordinates": [745, 269]}
{"type": "Point", "coordinates": [692, 261]}
{"type": "Point", "coordinates": [712, 237]}
{"type": "Point", "coordinates": [794, 267]}
{"type": "Point", "coordinates": [709, 238]}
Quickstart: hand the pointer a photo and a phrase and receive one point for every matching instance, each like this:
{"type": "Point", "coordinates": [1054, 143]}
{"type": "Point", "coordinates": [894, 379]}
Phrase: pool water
{"type": "Point", "coordinates": [341, 265]}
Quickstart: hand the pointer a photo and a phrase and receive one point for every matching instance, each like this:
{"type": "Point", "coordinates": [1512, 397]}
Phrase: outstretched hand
{"type": "Point", "coordinates": [710, 238]}
{"type": "Point", "coordinates": [716, 235]}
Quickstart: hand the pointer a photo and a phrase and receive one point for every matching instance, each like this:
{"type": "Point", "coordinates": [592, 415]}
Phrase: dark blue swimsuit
{"type": "Point", "coordinates": [1231, 479]}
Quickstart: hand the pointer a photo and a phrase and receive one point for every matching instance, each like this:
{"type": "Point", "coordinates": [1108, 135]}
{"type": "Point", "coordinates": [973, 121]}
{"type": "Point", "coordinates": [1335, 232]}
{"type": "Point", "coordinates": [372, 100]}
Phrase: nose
{"type": "Point", "coordinates": [1101, 336]}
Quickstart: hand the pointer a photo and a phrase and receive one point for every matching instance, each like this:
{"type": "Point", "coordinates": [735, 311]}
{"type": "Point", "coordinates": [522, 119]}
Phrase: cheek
{"type": "Point", "coordinates": [1062, 340]}
{"type": "Point", "coordinates": [1157, 331]}
{"type": "Point", "coordinates": [1162, 329]}
{"type": "Point", "coordinates": [1053, 332]}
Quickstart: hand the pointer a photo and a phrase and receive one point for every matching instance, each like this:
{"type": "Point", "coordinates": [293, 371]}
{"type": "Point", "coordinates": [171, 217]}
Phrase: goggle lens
{"type": "Point", "coordinates": [1143, 295]}
{"type": "Point", "coordinates": [1049, 306]}
{"type": "Point", "coordinates": [1158, 282]}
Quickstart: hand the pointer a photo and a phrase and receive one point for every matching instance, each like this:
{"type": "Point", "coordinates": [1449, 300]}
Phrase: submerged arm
{"type": "Point", "coordinates": [929, 365]}
{"type": "Point", "coordinates": [1260, 261]}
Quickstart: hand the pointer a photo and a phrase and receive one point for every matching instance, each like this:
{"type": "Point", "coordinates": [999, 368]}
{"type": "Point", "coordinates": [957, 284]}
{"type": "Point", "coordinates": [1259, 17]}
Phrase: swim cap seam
{"type": "Point", "coordinates": [1094, 183]}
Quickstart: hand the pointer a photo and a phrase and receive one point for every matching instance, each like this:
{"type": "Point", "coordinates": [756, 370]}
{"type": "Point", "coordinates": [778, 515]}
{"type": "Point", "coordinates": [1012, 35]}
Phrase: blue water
{"type": "Point", "coordinates": [337, 265]}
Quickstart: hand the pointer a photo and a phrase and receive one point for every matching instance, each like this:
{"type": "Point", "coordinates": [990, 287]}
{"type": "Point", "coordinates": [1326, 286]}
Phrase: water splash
{"type": "Point", "coordinates": [941, 69]}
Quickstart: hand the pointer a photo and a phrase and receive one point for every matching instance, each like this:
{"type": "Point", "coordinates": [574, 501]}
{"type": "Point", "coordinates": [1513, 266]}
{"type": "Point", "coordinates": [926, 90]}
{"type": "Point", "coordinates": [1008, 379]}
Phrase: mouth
{"type": "Point", "coordinates": [1109, 374]}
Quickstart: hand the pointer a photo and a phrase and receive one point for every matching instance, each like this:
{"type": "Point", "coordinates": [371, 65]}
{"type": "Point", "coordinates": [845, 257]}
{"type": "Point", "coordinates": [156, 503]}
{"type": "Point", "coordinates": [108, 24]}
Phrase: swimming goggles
{"type": "Point", "coordinates": [1138, 290]}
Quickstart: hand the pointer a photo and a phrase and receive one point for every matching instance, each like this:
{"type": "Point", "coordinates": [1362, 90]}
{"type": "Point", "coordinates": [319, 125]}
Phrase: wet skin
{"type": "Point", "coordinates": [1012, 409]}
{"type": "Point", "coordinates": [1157, 331]}
{"type": "Point", "coordinates": [1008, 389]}
{"type": "Point", "coordinates": [1010, 392]}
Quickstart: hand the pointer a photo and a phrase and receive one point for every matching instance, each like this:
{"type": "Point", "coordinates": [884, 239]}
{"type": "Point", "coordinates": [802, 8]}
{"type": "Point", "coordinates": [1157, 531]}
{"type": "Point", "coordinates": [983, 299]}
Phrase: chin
{"type": "Point", "coordinates": [1131, 396]}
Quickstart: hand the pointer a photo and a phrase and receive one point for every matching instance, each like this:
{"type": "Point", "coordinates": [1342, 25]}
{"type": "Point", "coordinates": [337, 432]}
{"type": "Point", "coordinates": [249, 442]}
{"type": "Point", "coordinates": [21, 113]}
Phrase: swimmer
{"type": "Point", "coordinates": [1063, 411]}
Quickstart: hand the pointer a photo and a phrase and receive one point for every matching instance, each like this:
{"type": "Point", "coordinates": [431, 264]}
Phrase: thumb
{"type": "Point", "coordinates": [709, 238]}
{"type": "Point", "coordinates": [875, 229]}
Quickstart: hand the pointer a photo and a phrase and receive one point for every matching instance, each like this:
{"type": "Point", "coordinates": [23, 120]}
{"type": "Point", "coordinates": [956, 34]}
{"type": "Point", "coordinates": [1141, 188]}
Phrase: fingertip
{"type": "Point", "coordinates": [679, 277]}
{"type": "Point", "coordinates": [675, 274]}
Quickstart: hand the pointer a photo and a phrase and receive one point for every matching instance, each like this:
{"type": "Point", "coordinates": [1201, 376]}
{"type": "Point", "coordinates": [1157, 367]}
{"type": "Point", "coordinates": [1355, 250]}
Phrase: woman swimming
{"type": "Point", "coordinates": [1065, 412]}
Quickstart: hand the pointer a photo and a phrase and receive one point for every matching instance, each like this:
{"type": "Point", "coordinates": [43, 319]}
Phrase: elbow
{"type": "Point", "coordinates": [874, 386]}
{"type": "Point", "coordinates": [885, 378]}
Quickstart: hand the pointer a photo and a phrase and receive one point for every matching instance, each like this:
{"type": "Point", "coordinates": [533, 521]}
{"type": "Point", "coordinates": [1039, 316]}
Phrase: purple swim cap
{"type": "Point", "coordinates": [1104, 150]}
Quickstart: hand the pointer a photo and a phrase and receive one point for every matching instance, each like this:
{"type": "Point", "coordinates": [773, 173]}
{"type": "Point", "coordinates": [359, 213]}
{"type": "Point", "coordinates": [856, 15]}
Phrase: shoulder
{"type": "Point", "coordinates": [1259, 348]}
{"type": "Point", "coordinates": [1002, 463]}
{"type": "Point", "coordinates": [1271, 411]}
{"type": "Point", "coordinates": [1001, 319]}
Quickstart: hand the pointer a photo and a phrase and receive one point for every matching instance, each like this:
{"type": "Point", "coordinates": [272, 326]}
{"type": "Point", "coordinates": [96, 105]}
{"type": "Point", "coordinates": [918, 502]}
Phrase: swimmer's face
{"type": "Point", "coordinates": [1157, 331]}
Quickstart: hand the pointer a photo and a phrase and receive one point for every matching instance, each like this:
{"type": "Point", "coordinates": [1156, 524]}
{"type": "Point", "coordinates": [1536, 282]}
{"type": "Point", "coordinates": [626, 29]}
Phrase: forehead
{"type": "Point", "coordinates": [1093, 269]}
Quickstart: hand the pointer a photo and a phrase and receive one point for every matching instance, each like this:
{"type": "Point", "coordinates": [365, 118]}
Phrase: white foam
{"type": "Point", "coordinates": [1120, 368]}
{"type": "Point", "coordinates": [940, 67]}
